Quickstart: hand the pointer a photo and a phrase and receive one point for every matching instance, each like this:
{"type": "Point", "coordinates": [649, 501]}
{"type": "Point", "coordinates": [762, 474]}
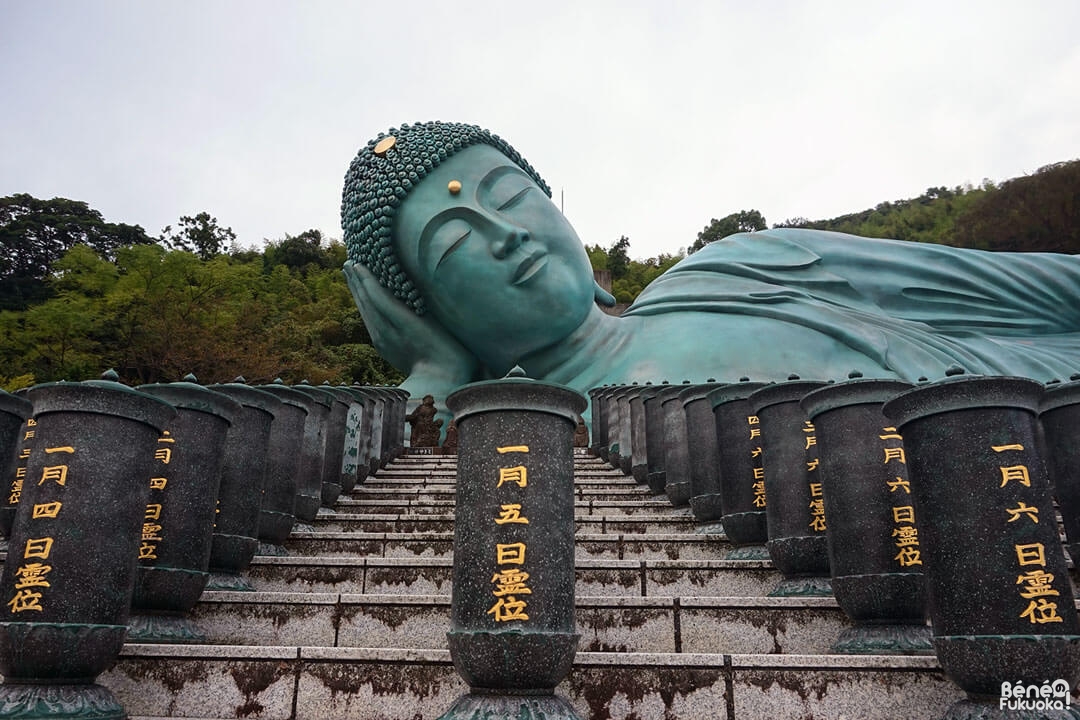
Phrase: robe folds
{"type": "Point", "coordinates": [914, 308]}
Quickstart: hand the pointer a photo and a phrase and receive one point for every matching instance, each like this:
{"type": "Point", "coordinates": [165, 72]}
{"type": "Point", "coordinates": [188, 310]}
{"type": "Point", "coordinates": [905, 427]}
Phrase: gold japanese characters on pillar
{"type": "Point", "coordinates": [20, 468]}
{"type": "Point", "coordinates": [152, 528]}
{"type": "Point", "coordinates": [817, 496]}
{"type": "Point", "coordinates": [1034, 584]}
{"type": "Point", "coordinates": [755, 455]}
{"type": "Point", "coordinates": [905, 533]}
{"type": "Point", "coordinates": [31, 575]}
{"type": "Point", "coordinates": [510, 577]}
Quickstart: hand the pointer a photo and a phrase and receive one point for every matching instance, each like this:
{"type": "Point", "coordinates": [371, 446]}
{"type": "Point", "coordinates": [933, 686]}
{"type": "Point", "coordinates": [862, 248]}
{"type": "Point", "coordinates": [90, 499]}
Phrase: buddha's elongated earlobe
{"type": "Point", "coordinates": [602, 296]}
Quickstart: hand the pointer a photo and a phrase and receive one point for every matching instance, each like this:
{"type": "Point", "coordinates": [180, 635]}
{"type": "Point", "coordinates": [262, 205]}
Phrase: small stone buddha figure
{"type": "Point", "coordinates": [450, 442]}
{"type": "Point", "coordinates": [424, 427]}
{"type": "Point", "coordinates": [581, 434]}
{"type": "Point", "coordinates": [462, 267]}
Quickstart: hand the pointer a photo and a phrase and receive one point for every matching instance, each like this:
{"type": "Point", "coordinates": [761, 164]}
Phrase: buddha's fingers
{"type": "Point", "coordinates": [410, 342]}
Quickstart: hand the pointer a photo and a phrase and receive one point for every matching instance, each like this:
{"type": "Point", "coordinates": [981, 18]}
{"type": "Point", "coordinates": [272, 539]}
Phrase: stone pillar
{"type": "Point", "coordinates": [877, 574]}
{"type": "Point", "coordinates": [174, 553]}
{"type": "Point", "coordinates": [594, 420]}
{"type": "Point", "coordinates": [14, 412]}
{"type": "Point", "coordinates": [702, 452]}
{"type": "Point", "coordinates": [1000, 600]}
{"type": "Point", "coordinates": [243, 476]}
{"type": "Point", "coordinates": [655, 438]}
{"type": "Point", "coordinates": [375, 435]}
{"type": "Point", "coordinates": [676, 452]}
{"type": "Point", "coordinates": [284, 453]}
{"type": "Point", "coordinates": [361, 444]}
{"type": "Point", "coordinates": [335, 442]}
{"type": "Point", "coordinates": [399, 437]}
{"type": "Point", "coordinates": [311, 451]}
{"type": "Point", "coordinates": [740, 470]}
{"type": "Point", "coordinates": [513, 636]}
{"type": "Point", "coordinates": [639, 455]}
{"type": "Point", "coordinates": [350, 449]}
{"type": "Point", "coordinates": [70, 568]}
{"type": "Point", "coordinates": [1060, 415]}
{"type": "Point", "coordinates": [613, 425]}
{"type": "Point", "coordinates": [626, 429]}
{"type": "Point", "coordinates": [795, 510]}
{"type": "Point", "coordinates": [600, 411]}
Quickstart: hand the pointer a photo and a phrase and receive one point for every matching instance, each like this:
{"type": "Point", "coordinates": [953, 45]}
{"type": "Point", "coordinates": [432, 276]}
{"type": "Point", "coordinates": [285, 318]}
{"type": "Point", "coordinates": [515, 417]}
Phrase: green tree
{"type": "Point", "coordinates": [618, 258]}
{"type": "Point", "coordinates": [742, 221]}
{"type": "Point", "coordinates": [34, 233]}
{"type": "Point", "coordinates": [309, 248]}
{"type": "Point", "coordinates": [200, 235]}
{"type": "Point", "coordinates": [597, 257]}
{"type": "Point", "coordinates": [1034, 213]}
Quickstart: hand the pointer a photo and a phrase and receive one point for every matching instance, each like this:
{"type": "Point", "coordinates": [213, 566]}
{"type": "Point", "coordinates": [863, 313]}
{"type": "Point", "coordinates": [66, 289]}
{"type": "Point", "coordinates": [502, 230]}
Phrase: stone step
{"type": "Point", "coordinates": [608, 624]}
{"type": "Point", "coordinates": [432, 576]}
{"type": "Point", "coordinates": [325, 683]}
{"type": "Point", "coordinates": [363, 504]}
{"type": "Point", "coordinates": [654, 546]}
{"type": "Point", "coordinates": [429, 480]}
{"type": "Point", "coordinates": [340, 521]}
{"type": "Point", "coordinates": [446, 492]}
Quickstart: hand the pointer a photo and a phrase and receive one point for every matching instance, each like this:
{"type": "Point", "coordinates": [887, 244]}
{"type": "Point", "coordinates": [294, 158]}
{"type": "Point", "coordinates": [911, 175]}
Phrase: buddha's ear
{"type": "Point", "coordinates": [603, 297]}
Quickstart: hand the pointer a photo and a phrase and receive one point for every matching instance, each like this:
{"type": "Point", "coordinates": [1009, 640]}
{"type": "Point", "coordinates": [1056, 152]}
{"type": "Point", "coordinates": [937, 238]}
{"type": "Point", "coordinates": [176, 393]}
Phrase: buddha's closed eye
{"type": "Point", "coordinates": [454, 246]}
{"type": "Point", "coordinates": [514, 199]}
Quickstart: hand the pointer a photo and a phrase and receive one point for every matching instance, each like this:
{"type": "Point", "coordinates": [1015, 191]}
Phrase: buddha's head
{"type": "Point", "coordinates": [457, 225]}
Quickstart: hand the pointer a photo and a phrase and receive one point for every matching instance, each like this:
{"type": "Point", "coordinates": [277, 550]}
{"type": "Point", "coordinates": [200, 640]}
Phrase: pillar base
{"type": "Point", "coordinates": [657, 480]}
{"type": "Point", "coordinates": [492, 705]}
{"type": "Point", "coordinates": [225, 581]}
{"type": "Point", "coordinates": [678, 493]}
{"type": "Point", "coordinates": [810, 586]}
{"type": "Point", "coordinates": [163, 629]}
{"type": "Point", "coordinates": [748, 552]}
{"type": "Point", "coordinates": [706, 507]}
{"type": "Point", "coordinates": [884, 640]}
{"type": "Point", "coordinates": [74, 702]}
{"type": "Point", "coordinates": [272, 549]}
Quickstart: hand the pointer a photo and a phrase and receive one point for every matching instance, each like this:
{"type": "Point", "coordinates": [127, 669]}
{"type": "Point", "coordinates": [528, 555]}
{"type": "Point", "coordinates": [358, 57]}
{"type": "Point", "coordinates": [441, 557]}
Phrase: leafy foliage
{"type": "Point", "coordinates": [1036, 213]}
{"type": "Point", "coordinates": [628, 277]}
{"type": "Point", "coordinates": [1033, 213]}
{"type": "Point", "coordinates": [200, 235]}
{"type": "Point", "coordinates": [742, 221]}
{"type": "Point", "coordinates": [34, 233]}
{"type": "Point", "coordinates": [156, 314]}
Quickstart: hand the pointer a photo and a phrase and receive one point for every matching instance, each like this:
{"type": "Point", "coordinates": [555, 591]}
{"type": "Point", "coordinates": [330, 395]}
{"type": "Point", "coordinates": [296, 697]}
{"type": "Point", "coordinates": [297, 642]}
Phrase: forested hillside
{"type": "Point", "coordinates": [1033, 213]}
{"type": "Point", "coordinates": [155, 314]}
{"type": "Point", "coordinates": [79, 294]}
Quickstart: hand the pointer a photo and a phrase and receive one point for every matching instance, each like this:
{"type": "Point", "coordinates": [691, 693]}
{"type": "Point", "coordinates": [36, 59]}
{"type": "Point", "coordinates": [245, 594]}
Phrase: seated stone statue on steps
{"type": "Point", "coordinates": [462, 267]}
{"type": "Point", "coordinates": [424, 426]}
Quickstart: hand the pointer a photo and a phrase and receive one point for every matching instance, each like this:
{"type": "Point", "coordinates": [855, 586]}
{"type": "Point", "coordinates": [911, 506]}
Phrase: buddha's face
{"type": "Point", "coordinates": [497, 264]}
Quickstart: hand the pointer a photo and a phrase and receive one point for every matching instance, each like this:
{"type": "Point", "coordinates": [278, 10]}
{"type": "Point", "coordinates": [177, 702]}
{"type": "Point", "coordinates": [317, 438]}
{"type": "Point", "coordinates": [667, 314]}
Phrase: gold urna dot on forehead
{"type": "Point", "coordinates": [384, 145]}
{"type": "Point", "coordinates": [454, 186]}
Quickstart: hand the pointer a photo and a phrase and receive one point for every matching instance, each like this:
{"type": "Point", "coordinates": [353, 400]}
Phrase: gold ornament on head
{"type": "Point", "coordinates": [454, 186]}
{"type": "Point", "coordinates": [383, 145]}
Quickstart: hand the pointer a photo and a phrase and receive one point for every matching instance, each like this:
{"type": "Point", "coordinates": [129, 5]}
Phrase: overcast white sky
{"type": "Point", "coordinates": [653, 117]}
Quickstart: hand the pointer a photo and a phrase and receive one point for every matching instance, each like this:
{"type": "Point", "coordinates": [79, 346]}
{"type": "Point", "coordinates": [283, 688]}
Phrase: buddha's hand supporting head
{"type": "Point", "coordinates": [417, 345]}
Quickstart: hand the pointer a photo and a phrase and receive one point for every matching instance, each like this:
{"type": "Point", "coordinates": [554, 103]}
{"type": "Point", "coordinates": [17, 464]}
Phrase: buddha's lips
{"type": "Point", "coordinates": [529, 267]}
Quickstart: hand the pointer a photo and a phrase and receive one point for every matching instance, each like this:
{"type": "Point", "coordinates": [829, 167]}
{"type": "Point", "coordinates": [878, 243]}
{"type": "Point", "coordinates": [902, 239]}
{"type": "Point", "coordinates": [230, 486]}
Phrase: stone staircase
{"type": "Point", "coordinates": [352, 623]}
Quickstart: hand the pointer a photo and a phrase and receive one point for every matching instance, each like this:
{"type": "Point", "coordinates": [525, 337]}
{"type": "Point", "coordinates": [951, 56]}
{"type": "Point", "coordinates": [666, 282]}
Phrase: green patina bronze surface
{"type": "Point", "coordinates": [460, 286]}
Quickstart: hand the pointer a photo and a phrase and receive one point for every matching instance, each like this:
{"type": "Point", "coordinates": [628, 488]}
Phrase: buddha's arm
{"type": "Point", "coordinates": [434, 361]}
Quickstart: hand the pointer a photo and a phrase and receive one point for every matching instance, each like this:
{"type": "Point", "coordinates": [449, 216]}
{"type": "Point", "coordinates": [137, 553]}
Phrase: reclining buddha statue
{"type": "Point", "coordinates": [462, 268]}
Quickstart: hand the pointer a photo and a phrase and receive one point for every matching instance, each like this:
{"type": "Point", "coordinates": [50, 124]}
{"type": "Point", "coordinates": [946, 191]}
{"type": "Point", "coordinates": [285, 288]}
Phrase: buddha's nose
{"type": "Point", "coordinates": [510, 240]}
